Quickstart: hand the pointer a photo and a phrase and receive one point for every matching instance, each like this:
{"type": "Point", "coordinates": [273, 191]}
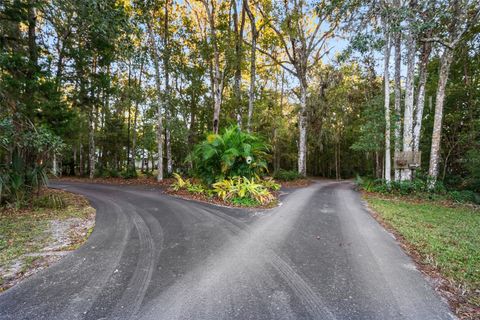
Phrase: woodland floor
{"type": "Point", "coordinates": [443, 238]}
{"type": "Point", "coordinates": [33, 238]}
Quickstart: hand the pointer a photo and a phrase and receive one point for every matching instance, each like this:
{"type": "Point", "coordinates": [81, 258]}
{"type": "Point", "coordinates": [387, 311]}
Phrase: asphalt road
{"type": "Point", "coordinates": [319, 255]}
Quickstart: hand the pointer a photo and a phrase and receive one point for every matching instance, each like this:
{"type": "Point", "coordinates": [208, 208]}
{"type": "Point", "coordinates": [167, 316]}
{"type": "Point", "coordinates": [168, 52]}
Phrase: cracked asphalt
{"type": "Point", "coordinates": [320, 255]}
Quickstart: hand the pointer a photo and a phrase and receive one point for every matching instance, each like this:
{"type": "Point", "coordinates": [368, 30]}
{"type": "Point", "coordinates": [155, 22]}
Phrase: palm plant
{"type": "Point", "coordinates": [232, 153]}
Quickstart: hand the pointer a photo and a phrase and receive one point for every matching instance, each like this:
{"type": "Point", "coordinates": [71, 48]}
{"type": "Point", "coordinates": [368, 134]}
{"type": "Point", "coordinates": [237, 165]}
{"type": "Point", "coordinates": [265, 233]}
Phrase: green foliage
{"type": "Point", "coordinates": [196, 188]}
{"type": "Point", "coordinates": [186, 184]}
{"type": "Point", "coordinates": [18, 182]}
{"type": "Point", "coordinates": [464, 196]}
{"type": "Point", "coordinates": [108, 173]}
{"type": "Point", "coordinates": [244, 202]}
{"type": "Point", "coordinates": [242, 187]}
{"type": "Point", "coordinates": [232, 153]}
{"type": "Point", "coordinates": [129, 173]}
{"type": "Point", "coordinates": [418, 187]}
{"type": "Point", "coordinates": [473, 167]}
{"type": "Point", "coordinates": [271, 184]}
{"type": "Point", "coordinates": [49, 201]}
{"type": "Point", "coordinates": [180, 183]}
{"type": "Point", "coordinates": [287, 175]}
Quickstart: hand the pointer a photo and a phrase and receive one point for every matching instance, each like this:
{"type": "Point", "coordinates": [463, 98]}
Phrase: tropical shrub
{"type": "Point", "coordinates": [18, 181]}
{"type": "Point", "coordinates": [230, 154]}
{"type": "Point", "coordinates": [186, 184]}
{"type": "Point", "coordinates": [180, 183]}
{"type": "Point", "coordinates": [27, 150]}
{"type": "Point", "coordinates": [242, 187]}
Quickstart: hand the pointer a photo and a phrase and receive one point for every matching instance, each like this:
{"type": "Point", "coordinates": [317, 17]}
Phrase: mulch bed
{"type": "Point", "coordinates": [447, 289]}
{"type": "Point", "coordinates": [300, 183]}
{"type": "Point", "coordinates": [184, 194]}
{"type": "Point", "coordinates": [137, 181]}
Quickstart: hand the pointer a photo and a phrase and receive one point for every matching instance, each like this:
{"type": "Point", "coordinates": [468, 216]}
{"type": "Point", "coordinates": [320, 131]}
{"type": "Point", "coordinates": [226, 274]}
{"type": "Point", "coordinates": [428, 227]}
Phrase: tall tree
{"type": "Point", "coordinates": [303, 47]}
{"type": "Point", "coordinates": [386, 83]}
{"type": "Point", "coordinates": [461, 14]}
{"type": "Point", "coordinates": [406, 174]}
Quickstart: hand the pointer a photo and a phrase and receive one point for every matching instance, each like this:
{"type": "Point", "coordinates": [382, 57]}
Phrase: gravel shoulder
{"type": "Point", "coordinates": [31, 239]}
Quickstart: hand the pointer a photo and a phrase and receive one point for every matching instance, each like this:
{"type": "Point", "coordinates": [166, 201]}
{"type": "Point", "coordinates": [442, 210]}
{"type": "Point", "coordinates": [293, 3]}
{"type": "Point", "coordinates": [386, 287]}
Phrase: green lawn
{"type": "Point", "coordinates": [446, 237]}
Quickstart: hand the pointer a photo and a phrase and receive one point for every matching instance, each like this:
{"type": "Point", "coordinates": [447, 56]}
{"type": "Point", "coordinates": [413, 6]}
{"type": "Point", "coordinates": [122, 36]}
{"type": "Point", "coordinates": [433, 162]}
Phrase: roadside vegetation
{"type": "Point", "coordinates": [35, 236]}
{"type": "Point", "coordinates": [441, 231]}
{"type": "Point", "coordinates": [230, 167]}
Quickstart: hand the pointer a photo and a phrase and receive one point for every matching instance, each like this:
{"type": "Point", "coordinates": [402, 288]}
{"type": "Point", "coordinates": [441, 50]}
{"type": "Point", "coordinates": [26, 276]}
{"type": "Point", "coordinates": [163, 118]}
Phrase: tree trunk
{"type": "Point", "coordinates": [166, 69]}
{"type": "Point", "coordinates": [91, 144]}
{"type": "Point", "coordinates": [277, 153]}
{"type": "Point", "coordinates": [302, 127]}
{"type": "Point", "coordinates": [135, 117]}
{"type": "Point", "coordinates": [251, 90]}
{"type": "Point", "coordinates": [238, 60]}
{"type": "Point", "coordinates": [386, 81]}
{"type": "Point", "coordinates": [54, 164]}
{"type": "Point", "coordinates": [74, 160]}
{"type": "Point", "coordinates": [422, 67]}
{"type": "Point", "coordinates": [445, 62]}
{"type": "Point", "coordinates": [406, 174]}
{"type": "Point", "coordinates": [168, 147]}
{"type": "Point", "coordinates": [81, 166]}
{"type": "Point", "coordinates": [398, 97]}
{"type": "Point", "coordinates": [217, 75]}
{"type": "Point", "coordinates": [159, 104]}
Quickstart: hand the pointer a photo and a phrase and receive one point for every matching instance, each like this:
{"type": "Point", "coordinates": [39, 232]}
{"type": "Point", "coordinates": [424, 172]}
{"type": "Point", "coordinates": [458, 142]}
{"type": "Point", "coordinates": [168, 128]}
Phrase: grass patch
{"type": "Point", "coordinates": [26, 231]}
{"type": "Point", "coordinates": [445, 237]}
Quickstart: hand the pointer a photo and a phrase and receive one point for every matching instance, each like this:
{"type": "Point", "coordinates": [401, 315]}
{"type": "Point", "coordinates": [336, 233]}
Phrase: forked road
{"type": "Point", "coordinates": [151, 256]}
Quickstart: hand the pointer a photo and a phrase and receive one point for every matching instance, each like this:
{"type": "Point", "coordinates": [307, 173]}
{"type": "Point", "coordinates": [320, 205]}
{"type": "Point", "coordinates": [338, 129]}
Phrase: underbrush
{"type": "Point", "coordinates": [287, 175]}
{"type": "Point", "coordinates": [419, 188]}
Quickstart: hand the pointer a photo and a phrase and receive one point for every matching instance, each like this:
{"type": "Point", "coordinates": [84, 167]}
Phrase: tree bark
{"type": "Point", "coordinates": [406, 174]}
{"type": "Point", "coordinates": [217, 75]}
{"type": "Point", "coordinates": [386, 81]}
{"type": "Point", "coordinates": [398, 96]}
{"type": "Point", "coordinates": [91, 144]}
{"type": "Point", "coordinates": [238, 59]}
{"type": "Point", "coordinates": [166, 69]}
{"type": "Point", "coordinates": [155, 58]}
{"type": "Point", "coordinates": [302, 127]}
{"type": "Point", "coordinates": [135, 117]}
{"type": "Point", "coordinates": [422, 67]}
{"type": "Point", "coordinates": [251, 91]}
{"type": "Point", "coordinates": [445, 63]}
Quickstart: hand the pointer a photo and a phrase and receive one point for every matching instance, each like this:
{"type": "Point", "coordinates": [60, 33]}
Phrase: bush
{"type": "Point", "coordinates": [230, 154]}
{"type": "Point", "coordinates": [463, 196]}
{"type": "Point", "coordinates": [242, 187]}
{"type": "Point", "coordinates": [49, 201]}
{"type": "Point", "coordinates": [245, 202]}
{"type": "Point", "coordinates": [180, 183]}
{"type": "Point", "coordinates": [287, 175]}
{"type": "Point", "coordinates": [129, 173]}
{"type": "Point", "coordinates": [107, 173]}
{"type": "Point", "coordinates": [186, 184]}
{"type": "Point", "coordinates": [18, 182]}
{"type": "Point", "coordinates": [419, 187]}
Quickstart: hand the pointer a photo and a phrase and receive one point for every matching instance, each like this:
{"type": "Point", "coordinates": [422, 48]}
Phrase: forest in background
{"type": "Point", "coordinates": [336, 88]}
